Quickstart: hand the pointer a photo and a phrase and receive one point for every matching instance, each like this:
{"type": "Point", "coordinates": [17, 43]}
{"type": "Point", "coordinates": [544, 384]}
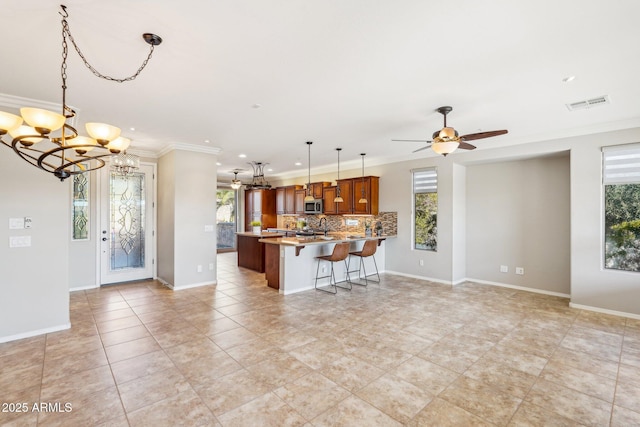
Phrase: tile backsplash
{"type": "Point", "coordinates": [388, 220]}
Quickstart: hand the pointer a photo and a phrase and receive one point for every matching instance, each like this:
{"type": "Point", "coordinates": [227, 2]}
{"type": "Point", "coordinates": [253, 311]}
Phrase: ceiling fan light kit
{"type": "Point", "coordinates": [446, 140]}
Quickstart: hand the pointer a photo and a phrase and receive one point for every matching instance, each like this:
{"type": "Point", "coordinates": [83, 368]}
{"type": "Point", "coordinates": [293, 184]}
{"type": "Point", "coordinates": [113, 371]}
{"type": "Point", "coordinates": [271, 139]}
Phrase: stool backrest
{"type": "Point", "coordinates": [369, 248]}
{"type": "Point", "coordinates": [340, 252]}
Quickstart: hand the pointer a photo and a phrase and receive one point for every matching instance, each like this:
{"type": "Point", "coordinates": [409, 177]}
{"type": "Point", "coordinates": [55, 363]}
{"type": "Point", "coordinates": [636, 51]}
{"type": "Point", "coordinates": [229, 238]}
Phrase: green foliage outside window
{"type": "Point", "coordinates": [622, 227]}
{"type": "Point", "coordinates": [426, 226]}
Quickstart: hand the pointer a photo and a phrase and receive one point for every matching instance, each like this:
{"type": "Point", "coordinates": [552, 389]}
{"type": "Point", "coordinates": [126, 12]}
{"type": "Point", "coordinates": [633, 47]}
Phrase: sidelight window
{"type": "Point", "coordinates": [425, 209]}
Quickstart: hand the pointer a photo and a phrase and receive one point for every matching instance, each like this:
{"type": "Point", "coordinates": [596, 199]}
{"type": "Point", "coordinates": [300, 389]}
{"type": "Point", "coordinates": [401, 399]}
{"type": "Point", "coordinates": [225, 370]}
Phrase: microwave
{"type": "Point", "coordinates": [313, 207]}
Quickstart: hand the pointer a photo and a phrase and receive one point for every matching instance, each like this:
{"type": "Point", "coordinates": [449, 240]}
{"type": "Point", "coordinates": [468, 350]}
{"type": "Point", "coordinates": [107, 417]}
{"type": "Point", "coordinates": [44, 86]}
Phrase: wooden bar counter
{"type": "Point", "coordinates": [251, 251]}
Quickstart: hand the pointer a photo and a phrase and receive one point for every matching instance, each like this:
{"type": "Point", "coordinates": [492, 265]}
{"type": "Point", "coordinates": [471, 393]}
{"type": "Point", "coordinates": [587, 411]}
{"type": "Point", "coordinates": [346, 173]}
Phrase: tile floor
{"type": "Point", "coordinates": [404, 352]}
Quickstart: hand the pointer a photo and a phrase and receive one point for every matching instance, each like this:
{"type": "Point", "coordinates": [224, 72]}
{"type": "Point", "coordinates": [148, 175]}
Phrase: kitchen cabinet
{"type": "Point", "coordinates": [260, 205]}
{"type": "Point", "coordinates": [286, 198]}
{"type": "Point", "coordinates": [316, 189]}
{"type": "Point", "coordinates": [328, 205]}
{"type": "Point", "coordinates": [299, 201]}
{"type": "Point", "coordinates": [370, 184]}
{"type": "Point", "coordinates": [346, 192]}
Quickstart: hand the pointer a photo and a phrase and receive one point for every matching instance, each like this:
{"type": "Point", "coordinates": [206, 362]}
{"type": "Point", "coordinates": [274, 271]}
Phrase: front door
{"type": "Point", "coordinates": [127, 225]}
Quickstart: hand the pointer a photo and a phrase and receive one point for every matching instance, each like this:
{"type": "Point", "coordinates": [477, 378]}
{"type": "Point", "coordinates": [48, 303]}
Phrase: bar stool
{"type": "Point", "coordinates": [340, 253]}
{"type": "Point", "coordinates": [368, 250]}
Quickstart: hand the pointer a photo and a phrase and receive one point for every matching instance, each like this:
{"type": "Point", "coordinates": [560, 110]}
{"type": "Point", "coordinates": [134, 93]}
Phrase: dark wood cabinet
{"type": "Point", "coordinates": [280, 196]}
{"type": "Point", "coordinates": [370, 185]}
{"type": "Point", "coordinates": [328, 205]}
{"type": "Point", "coordinates": [299, 201]}
{"type": "Point", "coordinates": [346, 192]}
{"type": "Point", "coordinates": [260, 205]}
{"type": "Point", "coordinates": [286, 199]}
{"type": "Point", "coordinates": [316, 189]}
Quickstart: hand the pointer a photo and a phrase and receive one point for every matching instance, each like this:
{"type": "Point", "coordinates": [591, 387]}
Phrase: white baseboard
{"type": "Point", "coordinates": [430, 279]}
{"type": "Point", "coordinates": [83, 288]}
{"type": "Point", "coordinates": [520, 288]}
{"type": "Point", "coordinates": [192, 285]}
{"type": "Point", "coordinates": [35, 333]}
{"type": "Point", "coordinates": [604, 310]}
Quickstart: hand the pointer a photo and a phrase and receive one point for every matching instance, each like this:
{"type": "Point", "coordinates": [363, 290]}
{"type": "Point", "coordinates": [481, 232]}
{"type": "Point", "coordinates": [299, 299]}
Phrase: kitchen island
{"type": "Point", "coordinates": [251, 250]}
{"type": "Point", "coordinates": [290, 262]}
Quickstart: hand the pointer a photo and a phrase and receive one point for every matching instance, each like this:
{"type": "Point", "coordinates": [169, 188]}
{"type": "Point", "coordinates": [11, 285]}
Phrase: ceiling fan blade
{"type": "Point", "coordinates": [410, 140]}
{"type": "Point", "coordinates": [465, 146]}
{"type": "Point", "coordinates": [420, 149]}
{"type": "Point", "coordinates": [480, 135]}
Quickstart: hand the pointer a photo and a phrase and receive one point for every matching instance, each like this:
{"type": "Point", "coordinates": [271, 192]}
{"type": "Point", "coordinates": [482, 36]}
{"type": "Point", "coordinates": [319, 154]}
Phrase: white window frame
{"type": "Point", "coordinates": [429, 184]}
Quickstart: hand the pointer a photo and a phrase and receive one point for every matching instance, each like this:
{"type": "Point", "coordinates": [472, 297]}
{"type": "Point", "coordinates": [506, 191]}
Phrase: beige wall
{"type": "Point", "coordinates": [34, 281]}
{"type": "Point", "coordinates": [518, 215]}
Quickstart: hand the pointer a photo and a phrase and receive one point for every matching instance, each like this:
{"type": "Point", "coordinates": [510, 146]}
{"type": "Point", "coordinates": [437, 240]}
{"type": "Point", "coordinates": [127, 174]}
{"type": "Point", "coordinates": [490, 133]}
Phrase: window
{"type": "Point", "coordinates": [425, 209]}
{"type": "Point", "coordinates": [226, 212]}
{"type": "Point", "coordinates": [80, 207]}
{"type": "Point", "coordinates": [621, 177]}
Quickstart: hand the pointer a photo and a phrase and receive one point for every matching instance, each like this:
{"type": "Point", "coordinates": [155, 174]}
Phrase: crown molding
{"type": "Point", "coordinates": [189, 147]}
{"type": "Point", "coordinates": [16, 102]}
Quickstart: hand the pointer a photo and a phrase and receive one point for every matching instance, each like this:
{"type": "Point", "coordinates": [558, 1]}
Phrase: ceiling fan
{"type": "Point", "coordinates": [446, 140]}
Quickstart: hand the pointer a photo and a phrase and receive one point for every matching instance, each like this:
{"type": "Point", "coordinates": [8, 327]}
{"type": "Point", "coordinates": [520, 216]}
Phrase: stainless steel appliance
{"type": "Point", "coordinates": [313, 207]}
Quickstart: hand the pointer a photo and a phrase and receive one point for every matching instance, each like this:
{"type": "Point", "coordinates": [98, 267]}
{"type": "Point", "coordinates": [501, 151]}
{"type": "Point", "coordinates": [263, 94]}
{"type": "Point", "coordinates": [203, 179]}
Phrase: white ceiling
{"type": "Point", "coordinates": [341, 73]}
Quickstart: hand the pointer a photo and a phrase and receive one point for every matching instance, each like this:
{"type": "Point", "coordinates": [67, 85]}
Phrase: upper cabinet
{"type": "Point", "coordinates": [351, 191]}
{"type": "Point", "coordinates": [369, 188]}
{"type": "Point", "coordinates": [299, 201]}
{"type": "Point", "coordinates": [286, 198]}
{"type": "Point", "coordinates": [316, 189]}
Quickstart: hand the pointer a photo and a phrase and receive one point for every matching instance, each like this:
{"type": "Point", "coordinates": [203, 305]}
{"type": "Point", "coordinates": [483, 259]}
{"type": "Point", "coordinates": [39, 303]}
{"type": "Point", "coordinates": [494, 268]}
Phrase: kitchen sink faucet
{"type": "Point", "coordinates": [325, 229]}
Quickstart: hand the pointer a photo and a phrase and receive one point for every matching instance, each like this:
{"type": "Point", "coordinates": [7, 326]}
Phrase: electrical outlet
{"type": "Point", "coordinates": [323, 268]}
{"type": "Point", "coordinates": [421, 263]}
{"type": "Point", "coordinates": [211, 266]}
{"type": "Point", "coordinates": [199, 269]}
{"type": "Point", "coordinates": [504, 269]}
{"type": "Point", "coordinates": [520, 270]}
{"type": "Point", "coordinates": [27, 222]}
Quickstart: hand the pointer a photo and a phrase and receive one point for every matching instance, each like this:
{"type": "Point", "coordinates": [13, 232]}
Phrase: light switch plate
{"type": "Point", "coordinates": [19, 241]}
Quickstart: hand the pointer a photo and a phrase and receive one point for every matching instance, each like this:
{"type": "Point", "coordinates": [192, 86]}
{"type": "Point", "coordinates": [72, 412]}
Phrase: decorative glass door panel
{"type": "Point", "coordinates": [126, 206]}
{"type": "Point", "coordinates": [126, 226]}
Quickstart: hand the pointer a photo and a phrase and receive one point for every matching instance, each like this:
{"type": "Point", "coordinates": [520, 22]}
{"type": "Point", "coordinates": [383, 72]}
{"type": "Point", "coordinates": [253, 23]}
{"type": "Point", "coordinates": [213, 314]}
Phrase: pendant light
{"type": "Point", "coordinates": [363, 196]}
{"type": "Point", "coordinates": [236, 183]}
{"type": "Point", "coordinates": [338, 198]}
{"type": "Point", "coordinates": [309, 196]}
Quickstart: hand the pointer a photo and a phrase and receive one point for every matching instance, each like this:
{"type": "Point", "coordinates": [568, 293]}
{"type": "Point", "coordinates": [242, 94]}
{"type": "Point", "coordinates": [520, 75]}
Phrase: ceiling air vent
{"type": "Point", "coordinates": [588, 103]}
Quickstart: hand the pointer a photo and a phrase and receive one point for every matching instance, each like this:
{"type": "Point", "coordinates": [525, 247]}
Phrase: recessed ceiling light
{"type": "Point", "coordinates": [569, 79]}
{"type": "Point", "coordinates": [269, 170]}
{"type": "Point", "coordinates": [256, 106]}
{"type": "Point", "coordinates": [132, 129]}
{"type": "Point", "coordinates": [298, 164]}
{"type": "Point", "coordinates": [242, 156]}
{"type": "Point", "coordinates": [207, 141]}
{"type": "Point", "coordinates": [218, 164]}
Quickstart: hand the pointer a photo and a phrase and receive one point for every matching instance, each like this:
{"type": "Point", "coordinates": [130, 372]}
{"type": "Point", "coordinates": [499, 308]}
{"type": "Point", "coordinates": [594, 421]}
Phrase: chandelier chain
{"type": "Point", "coordinates": [66, 32]}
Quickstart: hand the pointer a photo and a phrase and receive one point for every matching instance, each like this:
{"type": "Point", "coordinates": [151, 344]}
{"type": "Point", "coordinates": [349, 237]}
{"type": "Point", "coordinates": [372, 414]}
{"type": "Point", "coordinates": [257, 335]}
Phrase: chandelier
{"type": "Point", "coordinates": [236, 183]}
{"type": "Point", "coordinates": [48, 142]}
{"type": "Point", "coordinates": [123, 163]}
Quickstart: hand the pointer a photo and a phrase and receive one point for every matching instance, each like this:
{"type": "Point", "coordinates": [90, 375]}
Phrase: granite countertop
{"type": "Point", "coordinates": [321, 240]}
{"type": "Point", "coordinates": [263, 234]}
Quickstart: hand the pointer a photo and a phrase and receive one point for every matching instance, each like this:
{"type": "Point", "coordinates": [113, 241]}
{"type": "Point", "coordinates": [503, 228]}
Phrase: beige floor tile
{"type": "Point", "coordinates": [486, 402]}
{"type": "Point", "coordinates": [396, 397]}
{"type": "Point", "coordinates": [279, 370]}
{"type": "Point", "coordinates": [68, 364]}
{"type": "Point", "coordinates": [86, 410]}
{"type": "Point", "coordinates": [152, 388]}
{"type": "Point", "coordinates": [569, 403]}
{"type": "Point", "coordinates": [122, 323]}
{"type": "Point", "coordinates": [588, 383]}
{"type": "Point", "coordinates": [586, 362]}
{"type": "Point", "coordinates": [267, 410]}
{"type": "Point", "coordinates": [623, 417]}
{"type": "Point", "coordinates": [425, 375]}
{"type": "Point", "coordinates": [628, 394]}
{"type": "Point", "coordinates": [597, 343]}
{"type": "Point", "coordinates": [123, 335]}
{"type": "Point", "coordinates": [140, 366]}
{"type": "Point", "coordinates": [317, 354]}
{"type": "Point", "coordinates": [312, 394]}
{"type": "Point", "coordinates": [530, 415]}
{"type": "Point", "coordinates": [442, 413]}
{"type": "Point", "coordinates": [354, 411]}
{"type": "Point", "coordinates": [129, 349]}
{"type": "Point", "coordinates": [185, 408]}
{"type": "Point", "coordinates": [351, 373]}
{"type": "Point", "coordinates": [202, 371]}
{"type": "Point", "coordinates": [509, 380]}
{"type": "Point", "coordinates": [198, 349]}
{"type": "Point", "coordinates": [17, 406]}
{"type": "Point", "coordinates": [231, 391]}
{"type": "Point", "coordinates": [254, 352]}
{"type": "Point", "coordinates": [59, 388]}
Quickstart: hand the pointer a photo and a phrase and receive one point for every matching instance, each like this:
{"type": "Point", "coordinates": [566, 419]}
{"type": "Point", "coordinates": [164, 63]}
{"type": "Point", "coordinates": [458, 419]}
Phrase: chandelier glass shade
{"type": "Point", "coordinates": [338, 198]}
{"type": "Point", "coordinates": [309, 196]}
{"type": "Point", "coordinates": [46, 140]}
{"type": "Point", "coordinates": [236, 183]}
{"type": "Point", "coordinates": [125, 164]}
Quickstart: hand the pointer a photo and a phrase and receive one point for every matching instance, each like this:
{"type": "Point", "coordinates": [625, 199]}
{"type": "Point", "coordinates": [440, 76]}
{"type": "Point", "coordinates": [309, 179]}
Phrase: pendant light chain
{"type": "Point", "coordinates": [309, 166]}
{"type": "Point", "coordinates": [67, 31]}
